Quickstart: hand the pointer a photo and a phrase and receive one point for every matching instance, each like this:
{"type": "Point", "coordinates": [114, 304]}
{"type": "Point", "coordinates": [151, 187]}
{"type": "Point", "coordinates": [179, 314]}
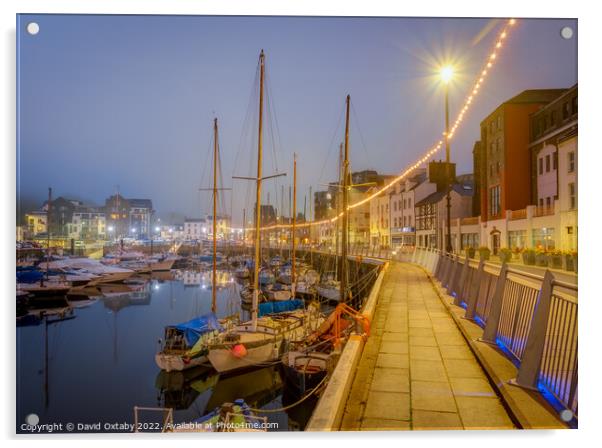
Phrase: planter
{"type": "Point", "coordinates": [567, 262]}
{"type": "Point", "coordinates": [505, 256]}
{"type": "Point", "coordinates": [484, 254]}
{"type": "Point", "coordinates": [541, 260]}
{"type": "Point", "coordinates": [555, 261]}
{"type": "Point", "coordinates": [471, 252]}
{"type": "Point", "coordinates": [529, 258]}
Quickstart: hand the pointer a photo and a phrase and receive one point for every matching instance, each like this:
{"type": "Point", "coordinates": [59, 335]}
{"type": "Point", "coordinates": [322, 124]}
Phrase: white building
{"type": "Point", "coordinates": [195, 229]}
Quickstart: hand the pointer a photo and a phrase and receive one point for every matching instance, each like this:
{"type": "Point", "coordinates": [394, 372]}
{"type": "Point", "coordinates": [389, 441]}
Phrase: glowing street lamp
{"type": "Point", "coordinates": [447, 73]}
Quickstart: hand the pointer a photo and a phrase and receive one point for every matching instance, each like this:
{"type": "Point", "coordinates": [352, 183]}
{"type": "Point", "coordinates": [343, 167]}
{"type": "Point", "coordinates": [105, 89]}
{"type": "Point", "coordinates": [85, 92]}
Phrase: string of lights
{"type": "Point", "coordinates": [476, 88]}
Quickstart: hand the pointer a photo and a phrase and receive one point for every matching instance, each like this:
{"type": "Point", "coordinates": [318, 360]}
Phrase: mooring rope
{"type": "Point", "coordinates": [296, 403]}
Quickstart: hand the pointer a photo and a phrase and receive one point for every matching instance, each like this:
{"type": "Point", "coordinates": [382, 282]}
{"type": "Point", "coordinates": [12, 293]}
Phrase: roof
{"type": "Point", "coordinates": [140, 203]}
{"type": "Point", "coordinates": [463, 189]}
{"type": "Point", "coordinates": [190, 220]}
{"type": "Point", "coordinates": [536, 96]}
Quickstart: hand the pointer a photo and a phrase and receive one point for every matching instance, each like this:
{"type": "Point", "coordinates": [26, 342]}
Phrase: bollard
{"type": "Point", "coordinates": [473, 294]}
{"type": "Point", "coordinates": [528, 372]}
{"type": "Point", "coordinates": [493, 320]}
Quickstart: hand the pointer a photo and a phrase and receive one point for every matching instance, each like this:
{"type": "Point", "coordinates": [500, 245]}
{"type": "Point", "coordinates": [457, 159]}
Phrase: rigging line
{"type": "Point", "coordinates": [248, 114]}
{"type": "Point", "coordinates": [359, 129]}
{"type": "Point", "coordinates": [330, 145]}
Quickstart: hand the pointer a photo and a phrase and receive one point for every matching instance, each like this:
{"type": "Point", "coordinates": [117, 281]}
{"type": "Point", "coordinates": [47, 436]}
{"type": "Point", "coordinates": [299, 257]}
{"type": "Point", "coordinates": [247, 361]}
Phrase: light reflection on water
{"type": "Point", "coordinates": [100, 364]}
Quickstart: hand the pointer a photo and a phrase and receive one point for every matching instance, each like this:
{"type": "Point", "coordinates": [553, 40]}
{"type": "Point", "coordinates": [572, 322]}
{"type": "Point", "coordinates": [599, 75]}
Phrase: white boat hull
{"type": "Point", "coordinates": [223, 360]}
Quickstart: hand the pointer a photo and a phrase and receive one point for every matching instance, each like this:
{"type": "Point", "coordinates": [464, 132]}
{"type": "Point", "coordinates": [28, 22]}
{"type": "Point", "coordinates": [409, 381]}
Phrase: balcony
{"type": "Point", "coordinates": [469, 221]}
{"type": "Point", "coordinates": [518, 214]}
{"type": "Point", "coordinates": [546, 210]}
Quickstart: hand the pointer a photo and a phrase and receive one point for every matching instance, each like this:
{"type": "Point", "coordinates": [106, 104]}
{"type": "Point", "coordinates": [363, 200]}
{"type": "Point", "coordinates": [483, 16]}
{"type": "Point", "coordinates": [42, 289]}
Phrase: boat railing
{"type": "Point", "coordinates": [167, 420]}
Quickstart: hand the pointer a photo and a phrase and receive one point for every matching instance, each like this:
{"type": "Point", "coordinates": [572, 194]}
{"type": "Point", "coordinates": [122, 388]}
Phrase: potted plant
{"type": "Point", "coordinates": [484, 253]}
{"type": "Point", "coordinates": [541, 258]}
{"type": "Point", "coordinates": [567, 261]}
{"type": "Point", "coordinates": [471, 252]}
{"type": "Point", "coordinates": [505, 255]}
{"type": "Point", "coordinates": [516, 252]}
{"type": "Point", "coordinates": [555, 259]}
{"type": "Point", "coordinates": [529, 257]}
{"type": "Point", "coordinates": [574, 254]}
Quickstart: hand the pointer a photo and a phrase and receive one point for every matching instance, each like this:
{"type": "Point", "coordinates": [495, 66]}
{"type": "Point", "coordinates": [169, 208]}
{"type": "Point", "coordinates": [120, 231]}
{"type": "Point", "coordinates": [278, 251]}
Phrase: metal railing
{"type": "Point", "coordinates": [532, 318]}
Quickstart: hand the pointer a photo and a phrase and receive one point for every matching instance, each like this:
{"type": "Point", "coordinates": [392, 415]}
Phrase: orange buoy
{"type": "Point", "coordinates": [239, 351]}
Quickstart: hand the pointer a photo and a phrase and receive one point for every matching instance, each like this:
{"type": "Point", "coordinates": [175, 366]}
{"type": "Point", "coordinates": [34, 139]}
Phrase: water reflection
{"type": "Point", "coordinates": [95, 361]}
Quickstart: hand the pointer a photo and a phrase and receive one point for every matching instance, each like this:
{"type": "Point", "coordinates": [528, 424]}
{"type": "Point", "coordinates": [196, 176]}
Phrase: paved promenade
{"type": "Point", "coordinates": [416, 370]}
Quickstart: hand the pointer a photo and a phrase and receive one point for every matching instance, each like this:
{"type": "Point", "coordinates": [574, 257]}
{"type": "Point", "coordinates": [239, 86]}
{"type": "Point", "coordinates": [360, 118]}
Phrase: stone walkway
{"type": "Point", "coordinates": [416, 370]}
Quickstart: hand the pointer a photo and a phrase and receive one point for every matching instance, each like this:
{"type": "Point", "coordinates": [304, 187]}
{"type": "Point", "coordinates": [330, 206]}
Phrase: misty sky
{"type": "Point", "coordinates": [129, 100]}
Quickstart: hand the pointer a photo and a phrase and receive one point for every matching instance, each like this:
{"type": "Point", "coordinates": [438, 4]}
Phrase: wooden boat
{"type": "Point", "coordinates": [185, 344]}
{"type": "Point", "coordinates": [304, 370]}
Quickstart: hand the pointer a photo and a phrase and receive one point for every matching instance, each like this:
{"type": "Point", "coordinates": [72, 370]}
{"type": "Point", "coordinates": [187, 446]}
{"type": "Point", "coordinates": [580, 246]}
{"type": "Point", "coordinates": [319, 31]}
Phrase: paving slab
{"type": "Point", "coordinates": [417, 370]}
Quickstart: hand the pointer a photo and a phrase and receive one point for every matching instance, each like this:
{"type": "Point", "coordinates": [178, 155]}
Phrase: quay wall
{"type": "Point", "coordinates": [328, 414]}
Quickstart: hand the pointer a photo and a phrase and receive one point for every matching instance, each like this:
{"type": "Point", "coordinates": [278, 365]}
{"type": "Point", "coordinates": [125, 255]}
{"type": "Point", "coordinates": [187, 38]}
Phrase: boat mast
{"type": "Point", "coordinates": [293, 276]}
{"type": "Point", "coordinates": [258, 195]}
{"type": "Point", "coordinates": [48, 231]}
{"type": "Point", "coordinates": [338, 207]}
{"type": "Point", "coordinates": [244, 228]}
{"type": "Point", "coordinates": [343, 290]}
{"type": "Point", "coordinates": [214, 272]}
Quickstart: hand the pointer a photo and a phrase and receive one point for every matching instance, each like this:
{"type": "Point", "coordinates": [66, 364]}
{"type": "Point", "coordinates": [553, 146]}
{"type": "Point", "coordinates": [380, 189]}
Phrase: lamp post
{"type": "Point", "coordinates": [446, 76]}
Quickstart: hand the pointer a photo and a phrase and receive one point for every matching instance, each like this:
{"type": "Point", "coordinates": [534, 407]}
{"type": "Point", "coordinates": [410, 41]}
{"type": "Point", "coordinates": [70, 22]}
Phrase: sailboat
{"type": "Point", "coordinates": [185, 344]}
{"type": "Point", "coordinates": [260, 340]}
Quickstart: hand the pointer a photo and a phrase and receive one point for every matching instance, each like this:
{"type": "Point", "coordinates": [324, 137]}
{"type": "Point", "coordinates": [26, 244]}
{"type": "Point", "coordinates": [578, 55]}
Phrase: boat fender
{"type": "Point", "coordinates": [239, 351]}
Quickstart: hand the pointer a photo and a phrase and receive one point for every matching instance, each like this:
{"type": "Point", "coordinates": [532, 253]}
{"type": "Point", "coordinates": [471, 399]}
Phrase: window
{"type": "Point", "coordinates": [572, 196]}
{"type": "Point", "coordinates": [409, 202]}
{"type": "Point", "coordinates": [555, 160]}
{"type": "Point", "coordinates": [565, 110]}
{"type": "Point", "coordinates": [498, 145]}
{"type": "Point", "coordinates": [548, 202]}
{"type": "Point", "coordinates": [492, 148]}
{"type": "Point", "coordinates": [494, 199]}
{"type": "Point", "coordinates": [553, 118]}
{"type": "Point", "coordinates": [541, 165]}
{"type": "Point", "coordinates": [395, 206]}
{"type": "Point", "coordinates": [548, 163]}
{"type": "Point", "coordinates": [499, 121]}
{"type": "Point", "coordinates": [541, 202]}
{"type": "Point", "coordinates": [571, 161]}
{"type": "Point", "coordinates": [497, 167]}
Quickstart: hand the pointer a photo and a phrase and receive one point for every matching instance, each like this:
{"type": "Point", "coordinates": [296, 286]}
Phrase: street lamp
{"type": "Point", "coordinates": [447, 74]}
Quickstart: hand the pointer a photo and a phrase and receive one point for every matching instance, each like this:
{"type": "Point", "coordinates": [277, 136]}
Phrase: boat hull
{"type": "Point", "coordinates": [223, 359]}
{"type": "Point", "coordinates": [171, 363]}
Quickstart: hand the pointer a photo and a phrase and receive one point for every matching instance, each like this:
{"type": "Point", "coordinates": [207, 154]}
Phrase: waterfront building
{"type": "Point", "coordinates": [503, 153]}
{"type": "Point", "coordinates": [141, 217]}
{"type": "Point", "coordinates": [379, 219]}
{"type": "Point", "coordinates": [401, 206]}
{"type": "Point", "coordinates": [35, 223]}
{"type": "Point", "coordinates": [553, 150]}
{"type": "Point", "coordinates": [195, 229]}
{"type": "Point", "coordinates": [87, 223]}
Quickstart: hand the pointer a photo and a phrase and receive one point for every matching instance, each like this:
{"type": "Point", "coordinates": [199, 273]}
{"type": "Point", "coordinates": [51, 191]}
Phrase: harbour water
{"type": "Point", "coordinates": [97, 364]}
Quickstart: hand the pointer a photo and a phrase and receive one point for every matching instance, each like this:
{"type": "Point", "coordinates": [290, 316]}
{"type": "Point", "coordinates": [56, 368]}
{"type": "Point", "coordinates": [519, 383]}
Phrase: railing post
{"type": "Point", "coordinates": [448, 271]}
{"type": "Point", "coordinates": [493, 320]}
{"type": "Point", "coordinates": [458, 279]}
{"type": "Point", "coordinates": [473, 295]}
{"type": "Point", "coordinates": [462, 281]}
{"type": "Point", "coordinates": [528, 372]}
{"type": "Point", "coordinates": [414, 255]}
{"type": "Point", "coordinates": [448, 266]}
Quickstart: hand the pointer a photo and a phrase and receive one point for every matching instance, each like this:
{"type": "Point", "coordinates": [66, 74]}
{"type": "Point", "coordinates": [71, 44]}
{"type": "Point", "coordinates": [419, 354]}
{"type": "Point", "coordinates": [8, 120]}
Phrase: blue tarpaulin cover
{"type": "Point", "coordinates": [279, 307]}
{"type": "Point", "coordinates": [195, 328]}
